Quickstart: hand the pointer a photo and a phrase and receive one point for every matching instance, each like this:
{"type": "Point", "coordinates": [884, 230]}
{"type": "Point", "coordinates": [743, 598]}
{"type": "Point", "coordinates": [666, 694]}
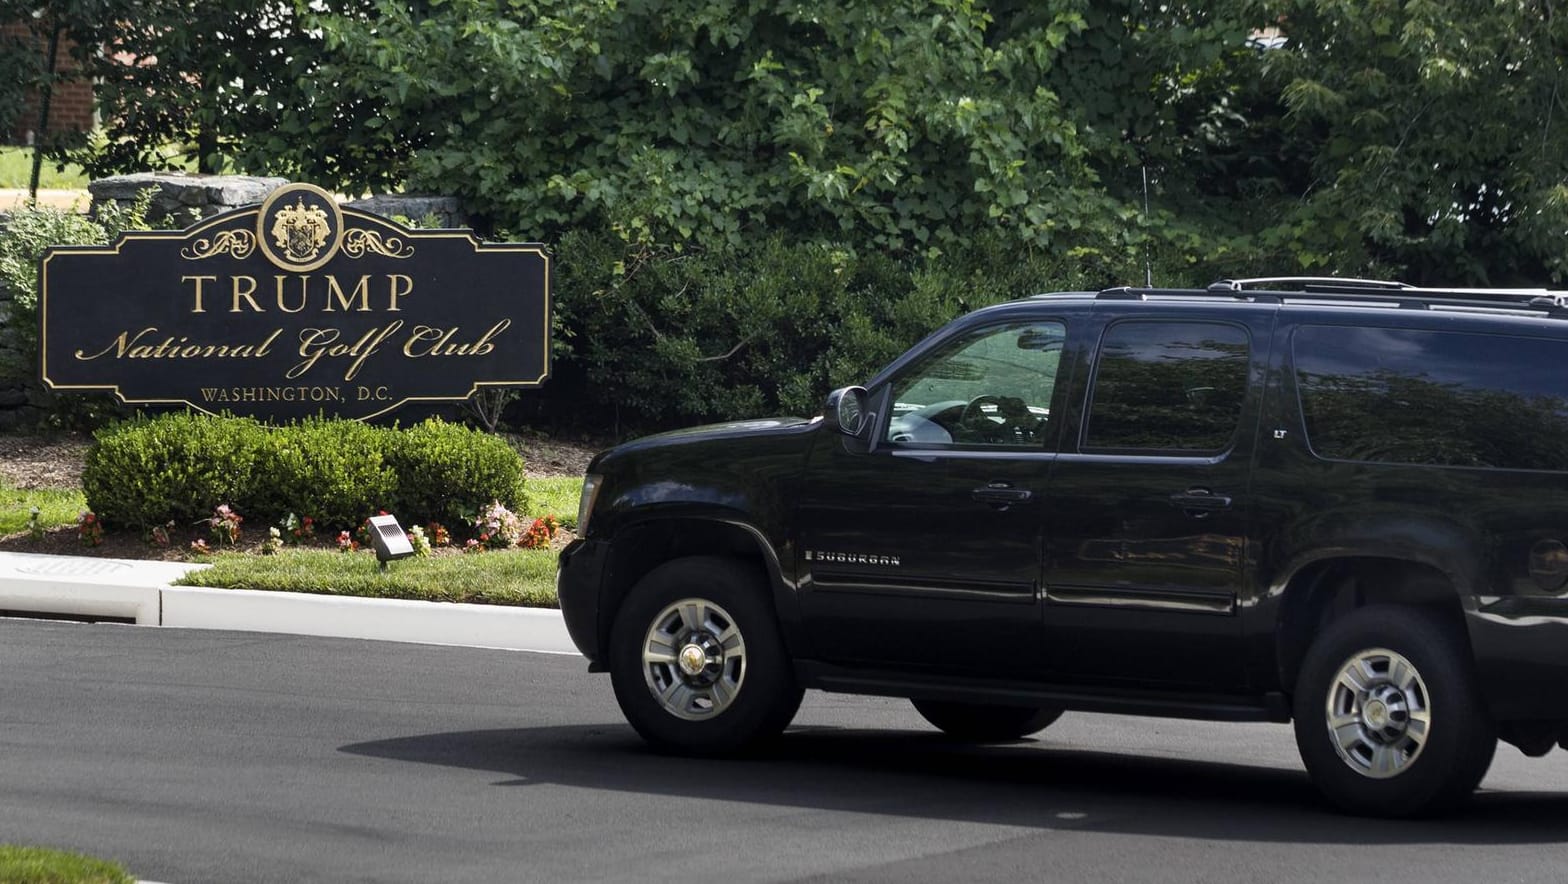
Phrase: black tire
{"type": "Point", "coordinates": [742, 694]}
{"type": "Point", "coordinates": [985, 723]}
{"type": "Point", "coordinates": [1414, 744]}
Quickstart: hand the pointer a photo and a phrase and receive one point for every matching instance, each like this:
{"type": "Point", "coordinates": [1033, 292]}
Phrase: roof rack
{"type": "Point", "coordinates": [1308, 283]}
{"type": "Point", "coordinates": [1388, 293]}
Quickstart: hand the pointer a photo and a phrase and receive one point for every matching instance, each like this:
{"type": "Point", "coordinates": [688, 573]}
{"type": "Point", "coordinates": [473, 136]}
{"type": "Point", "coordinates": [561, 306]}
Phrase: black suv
{"type": "Point", "coordinates": [1343, 503]}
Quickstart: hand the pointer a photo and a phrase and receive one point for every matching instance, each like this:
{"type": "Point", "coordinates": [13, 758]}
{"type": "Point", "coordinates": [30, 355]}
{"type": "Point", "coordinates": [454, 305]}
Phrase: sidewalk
{"type": "Point", "coordinates": [138, 592]}
{"type": "Point", "coordinates": [14, 198]}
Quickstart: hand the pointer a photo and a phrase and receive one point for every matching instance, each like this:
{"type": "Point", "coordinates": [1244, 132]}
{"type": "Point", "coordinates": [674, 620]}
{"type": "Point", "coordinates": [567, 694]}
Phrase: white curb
{"type": "Point", "coordinates": [475, 626]}
{"type": "Point", "coordinates": [138, 590]}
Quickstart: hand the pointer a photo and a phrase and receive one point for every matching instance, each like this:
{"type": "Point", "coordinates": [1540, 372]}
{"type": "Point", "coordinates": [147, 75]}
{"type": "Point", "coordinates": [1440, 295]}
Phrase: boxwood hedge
{"type": "Point", "coordinates": [149, 471]}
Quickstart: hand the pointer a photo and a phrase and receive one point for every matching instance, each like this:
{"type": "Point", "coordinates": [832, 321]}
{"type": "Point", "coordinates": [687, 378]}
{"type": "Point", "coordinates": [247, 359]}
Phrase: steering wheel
{"type": "Point", "coordinates": [975, 422]}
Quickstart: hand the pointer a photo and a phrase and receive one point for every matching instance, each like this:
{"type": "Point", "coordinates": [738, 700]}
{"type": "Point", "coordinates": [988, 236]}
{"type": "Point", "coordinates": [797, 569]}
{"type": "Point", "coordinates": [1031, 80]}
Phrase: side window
{"type": "Point", "coordinates": [1168, 386]}
{"type": "Point", "coordinates": [1435, 398]}
{"type": "Point", "coordinates": [991, 387]}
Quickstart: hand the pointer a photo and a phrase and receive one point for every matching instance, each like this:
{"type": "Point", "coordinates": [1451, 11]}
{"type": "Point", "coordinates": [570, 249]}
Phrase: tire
{"type": "Point", "coordinates": [715, 678]}
{"type": "Point", "coordinates": [1413, 737]}
{"type": "Point", "coordinates": [984, 723]}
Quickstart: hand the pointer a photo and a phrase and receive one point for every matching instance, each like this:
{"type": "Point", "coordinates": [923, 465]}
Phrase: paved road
{"type": "Point", "coordinates": [228, 757]}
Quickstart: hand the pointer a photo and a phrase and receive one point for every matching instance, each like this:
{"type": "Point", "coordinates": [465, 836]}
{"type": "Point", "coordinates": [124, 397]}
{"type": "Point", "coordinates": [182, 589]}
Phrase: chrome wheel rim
{"type": "Point", "coordinates": [1379, 713]}
{"type": "Point", "coordinates": [694, 659]}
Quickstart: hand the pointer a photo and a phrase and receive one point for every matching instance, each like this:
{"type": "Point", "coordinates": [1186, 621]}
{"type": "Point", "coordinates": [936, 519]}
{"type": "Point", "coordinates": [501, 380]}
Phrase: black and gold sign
{"type": "Point", "coordinates": [292, 308]}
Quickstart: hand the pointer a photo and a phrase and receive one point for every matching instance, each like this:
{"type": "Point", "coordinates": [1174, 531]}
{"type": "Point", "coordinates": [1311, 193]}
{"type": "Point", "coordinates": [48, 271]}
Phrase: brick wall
{"type": "Point", "coordinates": [70, 109]}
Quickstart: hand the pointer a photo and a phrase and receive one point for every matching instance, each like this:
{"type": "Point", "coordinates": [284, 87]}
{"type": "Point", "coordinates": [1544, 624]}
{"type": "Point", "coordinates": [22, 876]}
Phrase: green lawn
{"type": "Point", "coordinates": [39, 865]}
{"type": "Point", "coordinates": [523, 577]}
{"type": "Point", "coordinates": [54, 508]}
{"type": "Point", "coordinates": [16, 169]}
{"type": "Point", "coordinates": [497, 577]}
{"type": "Point", "coordinates": [555, 497]}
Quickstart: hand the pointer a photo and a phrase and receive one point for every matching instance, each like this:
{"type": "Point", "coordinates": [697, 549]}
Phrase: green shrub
{"type": "Point", "coordinates": [447, 472]}
{"type": "Point", "coordinates": [147, 471]}
{"type": "Point", "coordinates": [25, 236]}
{"type": "Point", "coordinates": [648, 339]}
{"type": "Point", "coordinates": [335, 471]}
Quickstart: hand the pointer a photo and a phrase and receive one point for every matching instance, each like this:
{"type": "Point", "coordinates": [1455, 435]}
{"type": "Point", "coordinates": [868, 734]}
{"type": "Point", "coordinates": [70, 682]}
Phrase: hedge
{"type": "Point", "coordinates": [149, 471]}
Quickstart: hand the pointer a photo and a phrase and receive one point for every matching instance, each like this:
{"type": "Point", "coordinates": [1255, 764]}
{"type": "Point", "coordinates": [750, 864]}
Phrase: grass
{"type": "Point", "coordinates": [39, 865]}
{"type": "Point", "coordinates": [511, 577]}
{"type": "Point", "coordinates": [55, 507]}
{"type": "Point", "coordinates": [16, 170]}
{"type": "Point", "coordinates": [524, 577]}
{"type": "Point", "coordinates": [556, 496]}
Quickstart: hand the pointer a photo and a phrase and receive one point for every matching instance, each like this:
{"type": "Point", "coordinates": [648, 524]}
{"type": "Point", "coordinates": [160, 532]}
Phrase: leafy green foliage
{"type": "Point", "coordinates": [27, 234]}
{"type": "Point", "coordinates": [1426, 139]}
{"type": "Point", "coordinates": [752, 201]}
{"type": "Point", "coordinates": [740, 332]}
{"type": "Point", "coordinates": [447, 472]}
{"type": "Point", "coordinates": [902, 125]}
{"type": "Point", "coordinates": [23, 241]}
{"type": "Point", "coordinates": [336, 471]}
{"type": "Point", "coordinates": [147, 471]}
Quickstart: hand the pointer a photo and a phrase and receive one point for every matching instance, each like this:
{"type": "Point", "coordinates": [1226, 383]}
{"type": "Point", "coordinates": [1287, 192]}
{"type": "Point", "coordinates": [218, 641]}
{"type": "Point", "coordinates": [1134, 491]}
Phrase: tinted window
{"type": "Point", "coordinates": [1440, 398]}
{"type": "Point", "coordinates": [1170, 386]}
{"type": "Point", "coordinates": [989, 387]}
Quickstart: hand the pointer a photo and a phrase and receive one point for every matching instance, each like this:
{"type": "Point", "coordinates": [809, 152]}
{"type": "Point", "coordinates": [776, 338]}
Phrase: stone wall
{"type": "Point", "coordinates": [181, 199]}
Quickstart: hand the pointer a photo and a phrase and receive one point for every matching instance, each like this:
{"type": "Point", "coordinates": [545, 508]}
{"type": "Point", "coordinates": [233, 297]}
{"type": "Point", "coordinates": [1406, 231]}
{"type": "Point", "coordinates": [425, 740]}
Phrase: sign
{"type": "Point", "coordinates": [295, 307]}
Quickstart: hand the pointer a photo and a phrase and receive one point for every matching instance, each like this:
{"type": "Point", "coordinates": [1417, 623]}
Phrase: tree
{"type": "Point", "coordinates": [1435, 132]}
{"type": "Point", "coordinates": [904, 124]}
{"type": "Point", "coordinates": [184, 80]}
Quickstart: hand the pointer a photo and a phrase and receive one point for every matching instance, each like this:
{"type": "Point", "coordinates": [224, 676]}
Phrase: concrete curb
{"type": "Point", "coordinates": [32, 584]}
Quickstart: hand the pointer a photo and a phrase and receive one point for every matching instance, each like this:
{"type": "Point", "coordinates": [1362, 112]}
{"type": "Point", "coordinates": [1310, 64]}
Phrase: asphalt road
{"type": "Point", "coordinates": [228, 757]}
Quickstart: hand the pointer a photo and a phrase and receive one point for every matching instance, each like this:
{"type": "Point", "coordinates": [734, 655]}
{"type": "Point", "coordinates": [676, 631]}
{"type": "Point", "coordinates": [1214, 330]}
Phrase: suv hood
{"type": "Point", "coordinates": [765, 427]}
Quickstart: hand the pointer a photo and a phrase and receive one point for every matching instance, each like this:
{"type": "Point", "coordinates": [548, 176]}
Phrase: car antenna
{"type": "Point", "coordinates": [1148, 263]}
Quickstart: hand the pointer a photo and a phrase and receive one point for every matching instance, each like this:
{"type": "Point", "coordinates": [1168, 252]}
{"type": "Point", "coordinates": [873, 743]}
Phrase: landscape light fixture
{"type": "Point", "coordinates": [389, 539]}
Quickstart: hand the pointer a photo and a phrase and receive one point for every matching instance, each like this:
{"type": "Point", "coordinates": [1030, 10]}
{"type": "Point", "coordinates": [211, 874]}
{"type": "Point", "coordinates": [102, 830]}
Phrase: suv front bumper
{"type": "Point", "coordinates": [579, 577]}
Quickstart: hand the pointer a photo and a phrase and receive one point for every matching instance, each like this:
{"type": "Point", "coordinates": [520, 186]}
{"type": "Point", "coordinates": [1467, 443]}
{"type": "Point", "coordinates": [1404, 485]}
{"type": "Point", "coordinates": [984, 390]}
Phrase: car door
{"type": "Point", "coordinates": [1147, 532]}
{"type": "Point", "coordinates": [920, 547]}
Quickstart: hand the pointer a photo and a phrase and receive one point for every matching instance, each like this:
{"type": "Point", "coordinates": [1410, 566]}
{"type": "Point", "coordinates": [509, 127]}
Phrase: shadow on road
{"type": "Point", "coordinates": [923, 775]}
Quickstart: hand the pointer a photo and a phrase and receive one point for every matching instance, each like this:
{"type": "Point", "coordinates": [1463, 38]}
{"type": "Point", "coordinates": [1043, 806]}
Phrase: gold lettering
{"type": "Point", "coordinates": [119, 345]}
{"type": "Point", "coordinates": [247, 292]}
{"type": "Point", "coordinates": [362, 291]}
{"type": "Point", "coordinates": [442, 341]}
{"type": "Point", "coordinates": [304, 294]}
{"type": "Point", "coordinates": [483, 347]}
{"type": "Point", "coordinates": [198, 280]}
{"type": "Point", "coordinates": [359, 362]}
{"type": "Point", "coordinates": [312, 343]}
{"type": "Point", "coordinates": [128, 346]}
{"type": "Point", "coordinates": [393, 292]}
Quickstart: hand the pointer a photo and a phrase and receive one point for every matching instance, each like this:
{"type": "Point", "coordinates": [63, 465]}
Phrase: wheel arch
{"type": "Point", "coordinates": [640, 548]}
{"type": "Point", "coordinates": [1328, 589]}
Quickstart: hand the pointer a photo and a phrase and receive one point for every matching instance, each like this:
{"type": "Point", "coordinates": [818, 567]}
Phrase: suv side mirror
{"type": "Point", "coordinates": [846, 410]}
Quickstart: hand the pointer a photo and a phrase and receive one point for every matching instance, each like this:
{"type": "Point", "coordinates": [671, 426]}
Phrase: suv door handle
{"type": "Point", "coordinates": [1001, 494]}
{"type": "Point", "coordinates": [1200, 499]}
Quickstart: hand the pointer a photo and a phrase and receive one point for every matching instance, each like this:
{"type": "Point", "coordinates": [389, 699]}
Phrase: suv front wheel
{"type": "Point", "coordinates": [1387, 715]}
{"type": "Point", "coordinates": [696, 659]}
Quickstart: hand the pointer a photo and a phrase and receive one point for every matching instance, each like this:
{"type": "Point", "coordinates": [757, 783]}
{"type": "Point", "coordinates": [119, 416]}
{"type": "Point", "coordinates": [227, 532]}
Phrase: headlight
{"type": "Point", "coordinates": [591, 485]}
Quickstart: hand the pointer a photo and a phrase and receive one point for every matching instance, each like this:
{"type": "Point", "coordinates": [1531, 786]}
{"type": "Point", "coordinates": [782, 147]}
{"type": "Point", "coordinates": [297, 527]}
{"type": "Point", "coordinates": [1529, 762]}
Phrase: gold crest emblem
{"type": "Point", "coordinates": [300, 231]}
{"type": "Point", "coordinates": [299, 227]}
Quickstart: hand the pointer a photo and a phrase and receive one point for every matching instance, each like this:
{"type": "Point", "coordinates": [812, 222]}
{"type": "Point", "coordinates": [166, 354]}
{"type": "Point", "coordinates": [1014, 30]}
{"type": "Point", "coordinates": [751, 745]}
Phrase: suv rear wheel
{"type": "Point", "coordinates": [696, 659]}
{"type": "Point", "coordinates": [985, 723]}
{"type": "Point", "coordinates": [1387, 715]}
